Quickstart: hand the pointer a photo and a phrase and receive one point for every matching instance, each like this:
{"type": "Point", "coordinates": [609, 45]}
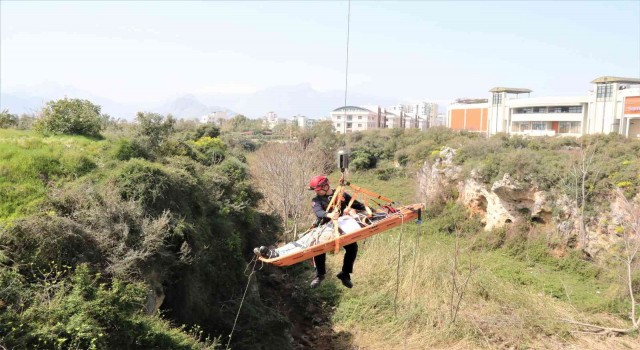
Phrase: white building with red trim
{"type": "Point", "coordinates": [613, 105]}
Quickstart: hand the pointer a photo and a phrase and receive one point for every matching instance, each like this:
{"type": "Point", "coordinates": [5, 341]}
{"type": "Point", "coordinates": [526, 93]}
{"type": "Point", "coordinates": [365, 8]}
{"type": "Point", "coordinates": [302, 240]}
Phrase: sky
{"type": "Point", "coordinates": [133, 51]}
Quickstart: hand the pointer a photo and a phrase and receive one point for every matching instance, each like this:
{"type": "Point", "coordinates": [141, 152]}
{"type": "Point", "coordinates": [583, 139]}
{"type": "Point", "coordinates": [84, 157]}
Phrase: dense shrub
{"type": "Point", "coordinates": [209, 130]}
{"type": "Point", "coordinates": [240, 123]}
{"type": "Point", "coordinates": [153, 131]}
{"type": "Point", "coordinates": [451, 218]}
{"type": "Point", "coordinates": [211, 150]}
{"type": "Point", "coordinates": [126, 149]}
{"type": "Point", "coordinates": [68, 309]}
{"type": "Point", "coordinates": [8, 120]}
{"type": "Point", "coordinates": [362, 159]}
{"type": "Point", "coordinates": [72, 117]}
{"type": "Point", "coordinates": [388, 173]}
{"type": "Point", "coordinates": [181, 224]}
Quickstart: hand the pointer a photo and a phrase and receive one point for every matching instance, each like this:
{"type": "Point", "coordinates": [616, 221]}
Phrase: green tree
{"type": "Point", "coordinates": [72, 117]}
{"type": "Point", "coordinates": [7, 119]}
{"type": "Point", "coordinates": [154, 129]}
{"type": "Point", "coordinates": [242, 123]}
{"type": "Point", "coordinates": [207, 130]}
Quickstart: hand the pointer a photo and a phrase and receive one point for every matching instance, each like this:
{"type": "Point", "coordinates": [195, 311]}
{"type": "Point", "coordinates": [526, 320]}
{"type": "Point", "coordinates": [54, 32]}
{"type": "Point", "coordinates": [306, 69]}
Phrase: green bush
{"type": "Point", "coordinates": [8, 120]}
{"type": "Point", "coordinates": [126, 149]}
{"type": "Point", "coordinates": [490, 240]}
{"type": "Point", "coordinates": [211, 150]}
{"type": "Point", "coordinates": [78, 165]}
{"type": "Point", "coordinates": [176, 225]}
{"type": "Point", "coordinates": [575, 264]}
{"type": "Point", "coordinates": [452, 218]}
{"type": "Point", "coordinates": [77, 309]}
{"type": "Point", "coordinates": [71, 117]}
{"type": "Point", "coordinates": [209, 130]}
{"type": "Point", "coordinates": [389, 173]}
{"type": "Point", "coordinates": [362, 159]}
{"type": "Point", "coordinates": [143, 181]}
{"type": "Point", "coordinates": [153, 131]}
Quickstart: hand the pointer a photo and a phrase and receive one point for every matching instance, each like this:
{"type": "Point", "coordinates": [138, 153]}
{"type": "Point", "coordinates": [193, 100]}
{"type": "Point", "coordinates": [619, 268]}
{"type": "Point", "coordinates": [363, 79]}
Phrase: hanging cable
{"type": "Point", "coordinates": [416, 249]}
{"type": "Point", "coordinates": [253, 270]}
{"type": "Point", "coordinates": [395, 299]}
{"type": "Point", "coordinates": [346, 70]}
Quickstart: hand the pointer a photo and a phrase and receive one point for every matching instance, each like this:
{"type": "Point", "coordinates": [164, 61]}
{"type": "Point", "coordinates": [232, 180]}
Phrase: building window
{"type": "Point", "coordinates": [604, 90]}
{"type": "Point", "coordinates": [561, 109]}
{"type": "Point", "coordinates": [349, 125]}
{"type": "Point", "coordinates": [525, 110]}
{"type": "Point", "coordinates": [539, 109]}
{"type": "Point", "coordinates": [575, 109]}
{"type": "Point", "coordinates": [359, 125]}
{"type": "Point", "coordinates": [520, 126]}
{"type": "Point", "coordinates": [338, 117]}
{"type": "Point", "coordinates": [359, 117]}
{"type": "Point", "coordinates": [569, 127]}
{"type": "Point", "coordinates": [349, 117]}
{"type": "Point", "coordinates": [538, 125]}
{"type": "Point", "coordinates": [337, 125]}
{"type": "Point", "coordinates": [497, 98]}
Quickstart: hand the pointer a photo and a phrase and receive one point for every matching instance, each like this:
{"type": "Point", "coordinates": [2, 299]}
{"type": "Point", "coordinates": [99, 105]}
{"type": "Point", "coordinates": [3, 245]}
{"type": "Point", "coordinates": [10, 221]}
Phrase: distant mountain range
{"type": "Point", "coordinates": [286, 101]}
{"type": "Point", "coordinates": [189, 107]}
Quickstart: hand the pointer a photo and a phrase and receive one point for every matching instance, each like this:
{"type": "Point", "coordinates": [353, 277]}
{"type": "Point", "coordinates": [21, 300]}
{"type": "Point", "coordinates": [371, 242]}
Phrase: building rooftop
{"type": "Point", "coordinates": [608, 79]}
{"type": "Point", "coordinates": [349, 107]}
{"type": "Point", "coordinates": [471, 100]}
{"type": "Point", "coordinates": [510, 90]}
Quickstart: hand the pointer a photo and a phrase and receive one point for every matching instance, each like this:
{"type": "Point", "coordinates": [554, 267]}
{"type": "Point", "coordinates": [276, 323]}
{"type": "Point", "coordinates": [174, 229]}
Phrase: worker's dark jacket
{"type": "Point", "coordinates": [320, 204]}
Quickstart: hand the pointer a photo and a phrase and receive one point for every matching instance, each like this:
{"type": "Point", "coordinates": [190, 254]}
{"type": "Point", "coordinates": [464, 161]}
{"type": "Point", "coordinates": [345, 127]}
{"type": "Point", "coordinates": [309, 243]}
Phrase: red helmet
{"type": "Point", "coordinates": [317, 182]}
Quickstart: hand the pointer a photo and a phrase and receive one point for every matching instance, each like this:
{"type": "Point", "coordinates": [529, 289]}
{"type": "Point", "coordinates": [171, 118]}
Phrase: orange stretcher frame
{"type": "Point", "coordinates": [403, 215]}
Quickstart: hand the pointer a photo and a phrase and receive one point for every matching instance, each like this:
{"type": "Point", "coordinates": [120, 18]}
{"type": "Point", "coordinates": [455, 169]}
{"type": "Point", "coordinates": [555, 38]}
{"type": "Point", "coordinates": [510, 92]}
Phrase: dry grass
{"type": "Point", "coordinates": [494, 313]}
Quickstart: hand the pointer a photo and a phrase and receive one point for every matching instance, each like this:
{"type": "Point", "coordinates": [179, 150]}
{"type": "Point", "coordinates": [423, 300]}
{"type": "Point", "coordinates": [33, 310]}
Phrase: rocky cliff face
{"type": "Point", "coordinates": [505, 201]}
{"type": "Point", "coordinates": [510, 201]}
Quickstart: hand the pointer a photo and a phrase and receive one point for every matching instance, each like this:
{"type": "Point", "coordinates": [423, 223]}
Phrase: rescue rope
{"type": "Point", "coordinates": [246, 288]}
{"type": "Point", "coordinates": [395, 299]}
{"type": "Point", "coordinates": [415, 253]}
{"type": "Point", "coordinates": [346, 71]}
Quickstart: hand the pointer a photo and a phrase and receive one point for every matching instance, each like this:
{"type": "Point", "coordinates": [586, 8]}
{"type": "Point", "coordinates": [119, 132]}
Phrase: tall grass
{"type": "Point", "coordinates": [30, 163]}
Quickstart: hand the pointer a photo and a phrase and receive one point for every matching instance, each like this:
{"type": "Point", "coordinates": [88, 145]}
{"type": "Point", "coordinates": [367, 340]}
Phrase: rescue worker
{"type": "Point", "coordinates": [324, 192]}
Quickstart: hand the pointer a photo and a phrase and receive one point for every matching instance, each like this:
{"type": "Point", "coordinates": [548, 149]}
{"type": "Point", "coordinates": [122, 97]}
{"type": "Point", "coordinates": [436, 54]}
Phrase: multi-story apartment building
{"type": "Point", "coordinates": [394, 120]}
{"type": "Point", "coordinates": [409, 121]}
{"type": "Point", "coordinates": [303, 122]}
{"type": "Point", "coordinates": [613, 105]}
{"type": "Point", "coordinates": [353, 118]}
{"type": "Point", "coordinates": [359, 118]}
{"type": "Point", "coordinates": [271, 119]}
{"type": "Point", "coordinates": [419, 115]}
{"type": "Point", "coordinates": [214, 118]}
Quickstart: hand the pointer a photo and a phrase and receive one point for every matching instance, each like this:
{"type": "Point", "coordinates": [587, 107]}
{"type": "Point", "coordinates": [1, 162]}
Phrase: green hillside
{"type": "Point", "coordinates": [142, 238]}
{"type": "Point", "coordinates": [91, 238]}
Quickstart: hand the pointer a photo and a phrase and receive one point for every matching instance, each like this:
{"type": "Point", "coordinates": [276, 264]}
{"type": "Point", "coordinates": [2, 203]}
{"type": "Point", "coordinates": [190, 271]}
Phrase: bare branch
{"type": "Point", "coordinates": [595, 329]}
{"type": "Point", "coordinates": [281, 172]}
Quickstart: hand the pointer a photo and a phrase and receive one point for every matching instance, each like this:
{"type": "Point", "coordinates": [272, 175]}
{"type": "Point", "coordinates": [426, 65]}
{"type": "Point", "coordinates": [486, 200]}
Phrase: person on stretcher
{"type": "Point", "coordinates": [320, 234]}
{"type": "Point", "coordinates": [324, 231]}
